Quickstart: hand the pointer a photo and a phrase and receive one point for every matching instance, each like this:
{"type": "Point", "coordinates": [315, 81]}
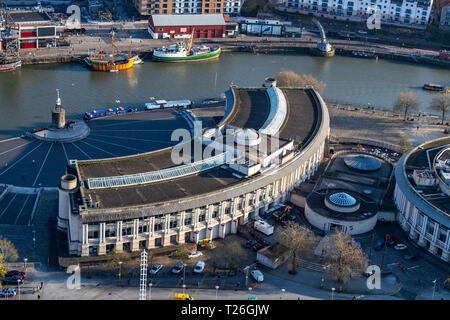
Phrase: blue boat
{"type": "Point", "coordinates": [92, 114]}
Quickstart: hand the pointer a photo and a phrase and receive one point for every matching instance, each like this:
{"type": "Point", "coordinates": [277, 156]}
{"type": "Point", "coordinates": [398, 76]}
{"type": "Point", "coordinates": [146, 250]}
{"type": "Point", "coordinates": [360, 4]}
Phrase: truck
{"type": "Point", "coordinates": [183, 296]}
{"type": "Point", "coordinates": [264, 227]}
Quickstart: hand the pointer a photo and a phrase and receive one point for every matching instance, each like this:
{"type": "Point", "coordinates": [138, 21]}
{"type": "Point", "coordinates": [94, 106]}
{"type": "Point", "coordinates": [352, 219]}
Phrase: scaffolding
{"type": "Point", "coordinates": [143, 277]}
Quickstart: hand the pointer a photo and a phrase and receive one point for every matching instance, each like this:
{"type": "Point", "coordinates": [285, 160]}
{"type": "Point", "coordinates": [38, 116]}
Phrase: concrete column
{"type": "Point", "coordinates": [196, 237]}
{"type": "Point", "coordinates": [135, 242]}
{"type": "Point", "coordinates": [436, 232]}
{"type": "Point", "coordinates": [151, 229]}
{"type": "Point", "coordinates": [445, 256]}
{"type": "Point", "coordinates": [433, 248]}
{"type": "Point", "coordinates": [119, 243]}
{"type": "Point", "coordinates": [421, 241]}
{"type": "Point", "coordinates": [222, 230]}
{"type": "Point", "coordinates": [102, 244]}
{"type": "Point", "coordinates": [234, 224]}
{"type": "Point", "coordinates": [85, 246]}
{"type": "Point", "coordinates": [447, 243]}
{"type": "Point", "coordinates": [208, 233]}
{"type": "Point", "coordinates": [412, 234]}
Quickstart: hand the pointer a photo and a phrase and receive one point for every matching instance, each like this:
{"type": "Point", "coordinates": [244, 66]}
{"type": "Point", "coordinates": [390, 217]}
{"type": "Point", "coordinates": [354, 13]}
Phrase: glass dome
{"type": "Point", "coordinates": [342, 199]}
{"type": "Point", "coordinates": [362, 162]}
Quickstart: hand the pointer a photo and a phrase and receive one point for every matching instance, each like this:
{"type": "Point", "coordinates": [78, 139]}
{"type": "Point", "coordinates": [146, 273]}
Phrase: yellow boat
{"type": "Point", "coordinates": [113, 62]}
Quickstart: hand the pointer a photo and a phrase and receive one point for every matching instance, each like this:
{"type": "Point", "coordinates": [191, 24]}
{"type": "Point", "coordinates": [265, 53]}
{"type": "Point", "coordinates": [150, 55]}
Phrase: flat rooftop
{"type": "Point", "coordinates": [28, 17]}
{"type": "Point", "coordinates": [204, 182]}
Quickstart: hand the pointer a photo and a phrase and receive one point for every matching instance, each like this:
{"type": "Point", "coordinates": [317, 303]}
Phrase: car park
{"type": "Point", "coordinates": [400, 247]}
{"type": "Point", "coordinates": [156, 269]}
{"type": "Point", "coordinates": [178, 267]}
{"type": "Point", "coordinates": [194, 254]}
{"type": "Point", "coordinates": [257, 275]}
{"type": "Point", "coordinates": [199, 267]}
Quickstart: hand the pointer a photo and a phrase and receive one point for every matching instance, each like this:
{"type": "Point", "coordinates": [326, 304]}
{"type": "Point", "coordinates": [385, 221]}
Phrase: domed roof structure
{"type": "Point", "coordinates": [362, 162]}
{"type": "Point", "coordinates": [342, 199]}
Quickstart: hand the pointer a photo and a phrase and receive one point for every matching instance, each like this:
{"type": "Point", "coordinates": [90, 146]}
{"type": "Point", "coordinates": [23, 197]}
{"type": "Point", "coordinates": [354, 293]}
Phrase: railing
{"type": "Point", "coordinates": [160, 175]}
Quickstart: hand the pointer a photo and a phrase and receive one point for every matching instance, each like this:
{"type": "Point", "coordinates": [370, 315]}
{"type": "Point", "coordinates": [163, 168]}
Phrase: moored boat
{"type": "Point", "coordinates": [180, 53]}
{"type": "Point", "coordinates": [112, 63]}
{"type": "Point", "coordinates": [10, 65]}
{"type": "Point", "coordinates": [435, 87]}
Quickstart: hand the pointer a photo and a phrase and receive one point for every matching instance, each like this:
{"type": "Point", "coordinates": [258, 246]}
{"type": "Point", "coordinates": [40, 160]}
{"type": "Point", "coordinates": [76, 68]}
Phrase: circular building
{"type": "Point", "coordinates": [249, 162]}
{"type": "Point", "coordinates": [349, 193]}
{"type": "Point", "coordinates": [422, 196]}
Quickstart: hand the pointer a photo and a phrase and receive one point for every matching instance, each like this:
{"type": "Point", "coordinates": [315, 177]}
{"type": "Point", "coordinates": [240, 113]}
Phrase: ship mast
{"type": "Point", "coordinates": [129, 54]}
{"type": "Point", "coordinates": [112, 46]}
{"type": "Point", "coordinates": [188, 49]}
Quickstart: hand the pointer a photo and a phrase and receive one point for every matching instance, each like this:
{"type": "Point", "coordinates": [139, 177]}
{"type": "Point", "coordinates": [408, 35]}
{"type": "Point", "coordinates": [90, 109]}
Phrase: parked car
{"type": "Point", "coordinates": [379, 246]}
{"type": "Point", "coordinates": [391, 242]}
{"type": "Point", "coordinates": [155, 269]}
{"type": "Point", "coordinates": [13, 280]}
{"type": "Point", "coordinates": [178, 267]}
{"type": "Point", "coordinates": [194, 254]}
{"type": "Point", "coordinates": [12, 273]}
{"type": "Point", "coordinates": [409, 257]}
{"type": "Point", "coordinates": [9, 292]}
{"type": "Point", "coordinates": [257, 275]}
{"type": "Point", "coordinates": [199, 267]}
{"type": "Point", "coordinates": [400, 247]}
{"type": "Point", "coordinates": [250, 243]}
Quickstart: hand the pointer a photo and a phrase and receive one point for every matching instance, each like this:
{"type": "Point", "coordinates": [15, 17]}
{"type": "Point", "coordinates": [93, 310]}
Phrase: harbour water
{"type": "Point", "coordinates": [28, 94]}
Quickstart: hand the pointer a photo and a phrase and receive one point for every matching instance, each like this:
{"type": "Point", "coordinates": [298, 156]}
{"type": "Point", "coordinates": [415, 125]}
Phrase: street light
{"type": "Point", "coordinates": [332, 293]}
{"type": "Point", "coordinates": [18, 288]}
{"type": "Point", "coordinates": [151, 285]}
{"type": "Point", "coordinates": [282, 293]}
{"type": "Point", "coordinates": [217, 289]}
{"type": "Point", "coordinates": [25, 264]}
{"type": "Point", "coordinates": [184, 288]}
{"type": "Point", "coordinates": [434, 289]}
{"type": "Point", "coordinates": [120, 270]}
{"type": "Point", "coordinates": [250, 292]}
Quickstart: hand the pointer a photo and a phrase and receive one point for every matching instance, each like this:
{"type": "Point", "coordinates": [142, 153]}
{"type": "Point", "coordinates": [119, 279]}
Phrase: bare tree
{"type": "Point", "coordinates": [441, 103]}
{"type": "Point", "coordinates": [298, 239]}
{"type": "Point", "coordinates": [289, 78]}
{"type": "Point", "coordinates": [406, 101]}
{"type": "Point", "coordinates": [346, 259]}
{"type": "Point", "coordinates": [231, 255]}
{"type": "Point", "coordinates": [8, 250]}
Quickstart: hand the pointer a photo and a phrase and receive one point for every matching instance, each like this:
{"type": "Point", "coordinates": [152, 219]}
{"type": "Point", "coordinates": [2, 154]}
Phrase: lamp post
{"type": "Point", "coordinates": [217, 289]}
{"type": "Point", "coordinates": [25, 264]}
{"type": "Point", "coordinates": [184, 288]}
{"type": "Point", "coordinates": [282, 293]}
{"type": "Point", "coordinates": [18, 288]}
{"type": "Point", "coordinates": [120, 270]}
{"type": "Point", "coordinates": [332, 293]}
{"type": "Point", "coordinates": [151, 285]}
{"type": "Point", "coordinates": [434, 289]}
{"type": "Point", "coordinates": [250, 292]}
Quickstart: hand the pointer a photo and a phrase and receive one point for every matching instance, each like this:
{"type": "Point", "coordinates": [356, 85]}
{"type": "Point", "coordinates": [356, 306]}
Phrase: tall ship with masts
{"type": "Point", "coordinates": [180, 52]}
{"type": "Point", "coordinates": [113, 62]}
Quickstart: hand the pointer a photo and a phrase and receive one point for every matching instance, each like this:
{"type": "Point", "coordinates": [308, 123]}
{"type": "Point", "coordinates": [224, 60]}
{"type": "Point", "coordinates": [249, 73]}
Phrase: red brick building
{"type": "Point", "coordinates": [180, 26]}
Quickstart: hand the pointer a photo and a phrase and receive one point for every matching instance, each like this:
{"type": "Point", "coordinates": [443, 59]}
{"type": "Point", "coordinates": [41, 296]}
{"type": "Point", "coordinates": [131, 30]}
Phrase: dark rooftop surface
{"type": "Point", "coordinates": [317, 198]}
{"type": "Point", "coordinates": [211, 180]}
{"type": "Point", "coordinates": [33, 16]}
{"type": "Point", "coordinates": [301, 117]}
{"type": "Point", "coordinates": [251, 108]}
{"type": "Point", "coordinates": [339, 175]}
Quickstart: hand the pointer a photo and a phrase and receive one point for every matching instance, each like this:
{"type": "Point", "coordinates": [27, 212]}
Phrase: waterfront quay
{"type": "Point", "coordinates": [81, 46]}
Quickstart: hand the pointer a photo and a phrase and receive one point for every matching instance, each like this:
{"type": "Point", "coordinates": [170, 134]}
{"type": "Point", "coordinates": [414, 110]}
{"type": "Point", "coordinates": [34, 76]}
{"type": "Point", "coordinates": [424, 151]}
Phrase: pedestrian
{"type": "Point", "coordinates": [418, 282]}
{"type": "Point", "coordinates": [33, 162]}
{"type": "Point", "coordinates": [128, 281]}
{"type": "Point", "coordinates": [39, 297]}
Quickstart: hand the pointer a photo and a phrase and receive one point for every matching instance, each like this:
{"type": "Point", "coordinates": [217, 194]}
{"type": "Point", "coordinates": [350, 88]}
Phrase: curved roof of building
{"type": "Point", "coordinates": [421, 157]}
{"type": "Point", "coordinates": [362, 162]}
{"type": "Point", "coordinates": [183, 192]}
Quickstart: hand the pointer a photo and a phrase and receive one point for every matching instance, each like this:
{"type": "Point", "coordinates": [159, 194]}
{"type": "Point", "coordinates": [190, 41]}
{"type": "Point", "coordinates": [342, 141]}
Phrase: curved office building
{"type": "Point", "coordinates": [269, 140]}
{"type": "Point", "coordinates": [422, 195]}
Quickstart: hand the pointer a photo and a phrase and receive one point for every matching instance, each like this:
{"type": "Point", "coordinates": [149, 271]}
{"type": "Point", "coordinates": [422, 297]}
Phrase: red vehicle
{"type": "Point", "coordinates": [13, 273]}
